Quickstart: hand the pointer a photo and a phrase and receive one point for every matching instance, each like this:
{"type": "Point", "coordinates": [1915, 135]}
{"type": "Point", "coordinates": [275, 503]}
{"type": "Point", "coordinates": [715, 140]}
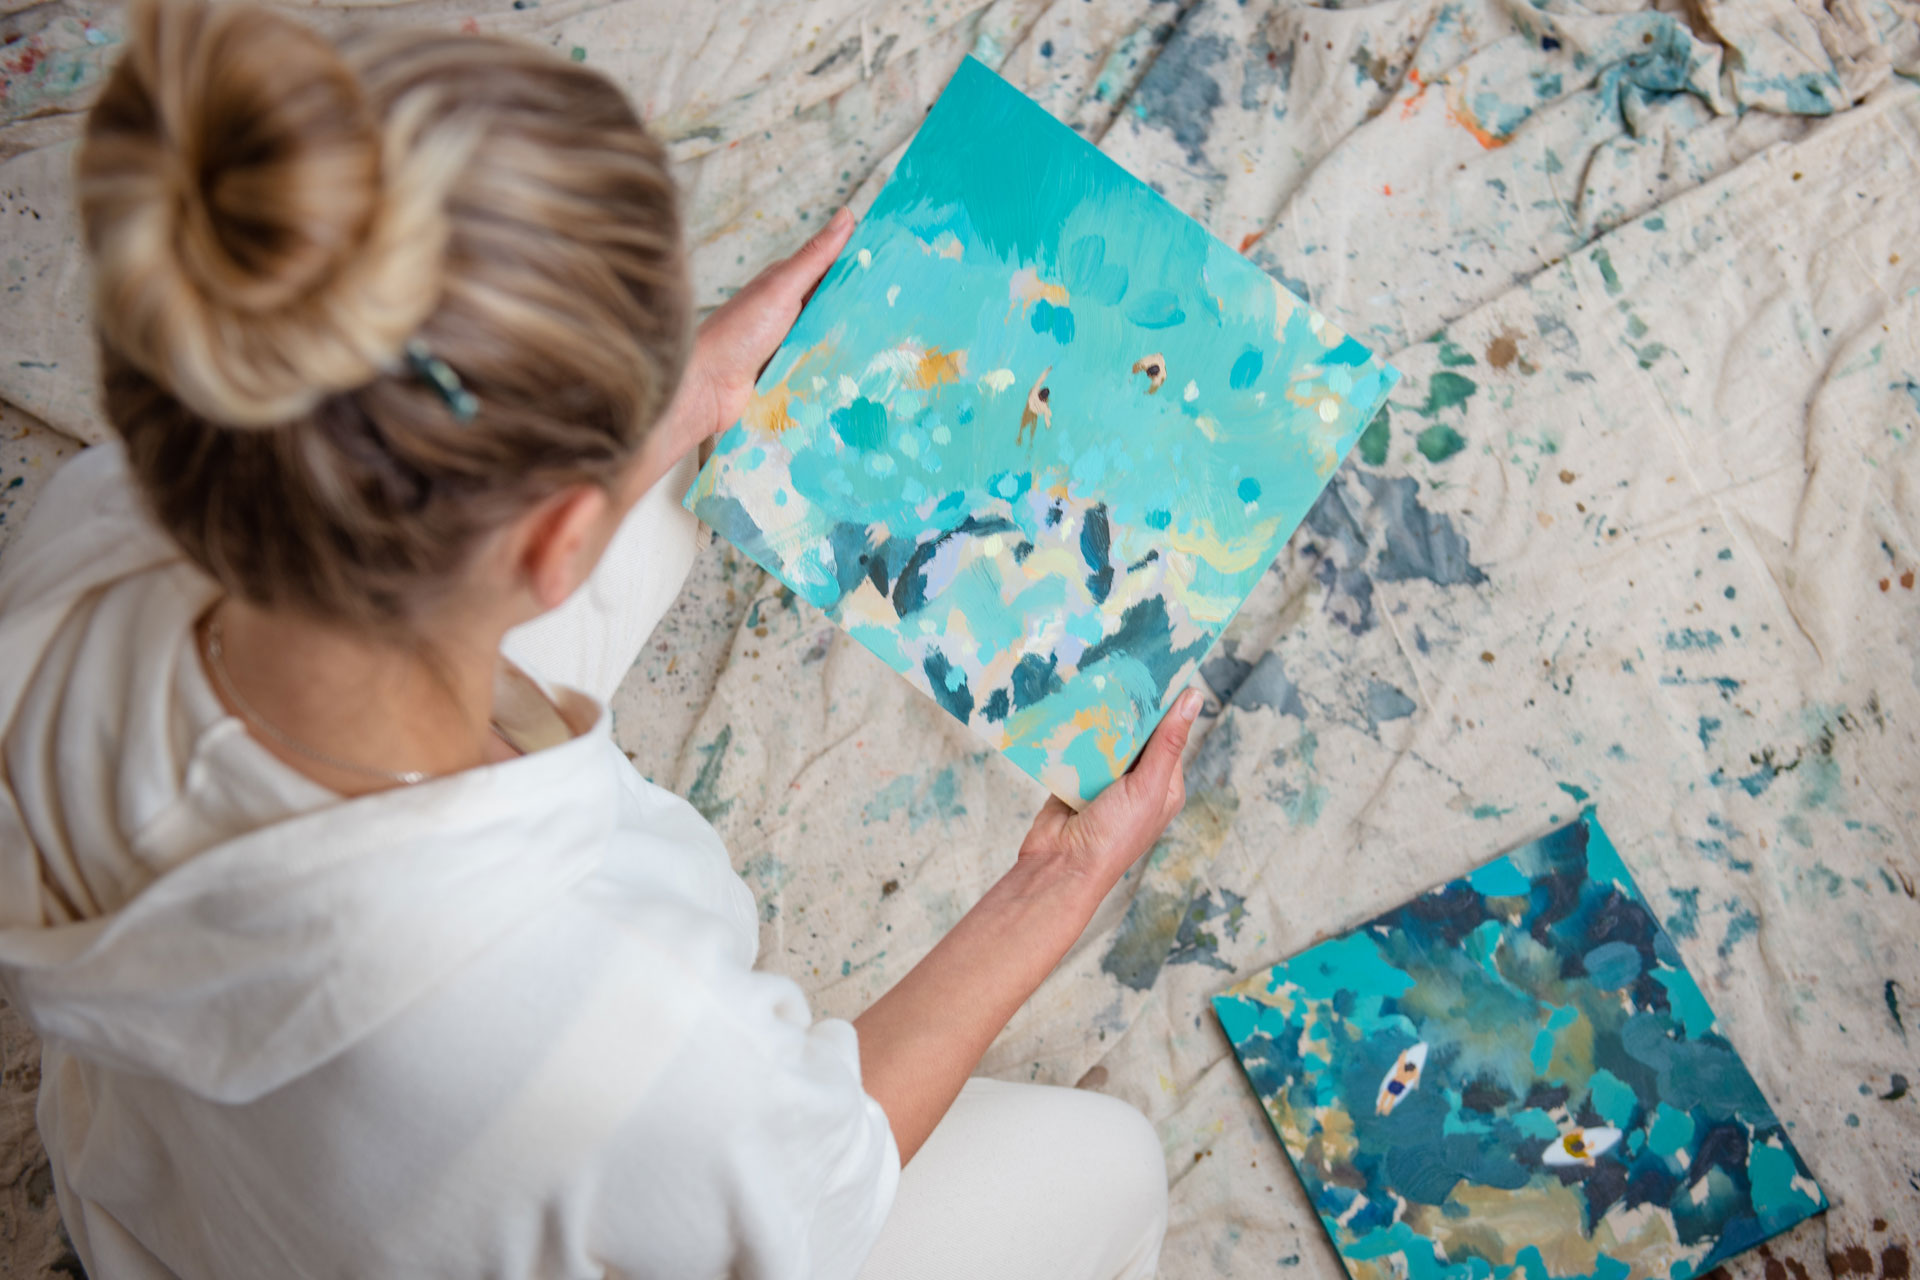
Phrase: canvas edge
{"type": "Point", "coordinates": [707, 476]}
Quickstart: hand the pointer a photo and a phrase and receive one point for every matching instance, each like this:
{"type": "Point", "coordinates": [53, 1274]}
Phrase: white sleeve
{"type": "Point", "coordinates": [760, 1119]}
{"type": "Point", "coordinates": [592, 639]}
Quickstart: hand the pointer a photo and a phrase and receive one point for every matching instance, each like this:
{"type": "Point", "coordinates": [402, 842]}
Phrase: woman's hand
{"type": "Point", "coordinates": [741, 335]}
{"type": "Point", "coordinates": [920, 1041]}
{"type": "Point", "coordinates": [1100, 842]}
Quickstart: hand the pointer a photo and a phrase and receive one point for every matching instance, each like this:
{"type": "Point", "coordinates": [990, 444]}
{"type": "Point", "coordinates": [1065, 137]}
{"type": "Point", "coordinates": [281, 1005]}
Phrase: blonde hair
{"type": "Point", "coordinates": [273, 220]}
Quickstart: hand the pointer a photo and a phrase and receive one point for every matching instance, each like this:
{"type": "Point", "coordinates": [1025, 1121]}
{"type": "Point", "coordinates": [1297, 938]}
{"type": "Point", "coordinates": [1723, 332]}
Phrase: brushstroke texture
{"type": "Point", "coordinates": [963, 454]}
{"type": "Point", "coordinates": [1577, 1112]}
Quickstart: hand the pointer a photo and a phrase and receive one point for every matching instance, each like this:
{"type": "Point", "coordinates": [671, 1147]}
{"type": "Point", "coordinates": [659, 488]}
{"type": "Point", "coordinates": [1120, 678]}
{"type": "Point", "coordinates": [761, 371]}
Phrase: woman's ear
{"type": "Point", "coordinates": [562, 541]}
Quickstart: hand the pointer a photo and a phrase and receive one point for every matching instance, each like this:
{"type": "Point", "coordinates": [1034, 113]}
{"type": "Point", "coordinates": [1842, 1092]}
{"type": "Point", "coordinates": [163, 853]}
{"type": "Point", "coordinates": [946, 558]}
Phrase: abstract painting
{"type": "Point", "coordinates": [1515, 1076]}
{"type": "Point", "coordinates": [1036, 436]}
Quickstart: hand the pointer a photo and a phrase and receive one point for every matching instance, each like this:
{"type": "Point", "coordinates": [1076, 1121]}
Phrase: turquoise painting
{"type": "Point", "coordinates": [1515, 1076]}
{"type": "Point", "coordinates": [1036, 436]}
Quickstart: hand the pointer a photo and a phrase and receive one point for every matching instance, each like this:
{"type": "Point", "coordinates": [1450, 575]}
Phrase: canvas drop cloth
{"type": "Point", "coordinates": [1640, 529]}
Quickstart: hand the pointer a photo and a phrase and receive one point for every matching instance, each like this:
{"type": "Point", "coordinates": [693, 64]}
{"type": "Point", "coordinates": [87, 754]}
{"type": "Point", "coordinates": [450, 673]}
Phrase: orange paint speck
{"type": "Point", "coordinates": [1250, 239]}
{"type": "Point", "coordinates": [1906, 579]}
{"type": "Point", "coordinates": [1461, 114]}
{"type": "Point", "coordinates": [1411, 107]}
{"type": "Point", "coordinates": [938, 367]}
{"type": "Point", "coordinates": [1387, 188]}
{"type": "Point", "coordinates": [1884, 584]}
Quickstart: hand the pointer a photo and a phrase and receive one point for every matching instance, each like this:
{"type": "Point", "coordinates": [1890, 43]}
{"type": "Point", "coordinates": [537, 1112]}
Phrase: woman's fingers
{"type": "Point", "coordinates": [796, 276]}
{"type": "Point", "coordinates": [1155, 776]}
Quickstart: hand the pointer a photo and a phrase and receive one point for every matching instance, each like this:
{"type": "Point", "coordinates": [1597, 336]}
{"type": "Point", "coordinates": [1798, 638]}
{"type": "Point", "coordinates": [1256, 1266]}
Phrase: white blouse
{"type": "Point", "coordinates": [502, 1023]}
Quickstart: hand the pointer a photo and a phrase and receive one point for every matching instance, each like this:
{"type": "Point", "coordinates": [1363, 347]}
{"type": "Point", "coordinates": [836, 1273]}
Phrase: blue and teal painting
{"type": "Point", "coordinates": [1515, 1076]}
{"type": "Point", "coordinates": [1037, 436]}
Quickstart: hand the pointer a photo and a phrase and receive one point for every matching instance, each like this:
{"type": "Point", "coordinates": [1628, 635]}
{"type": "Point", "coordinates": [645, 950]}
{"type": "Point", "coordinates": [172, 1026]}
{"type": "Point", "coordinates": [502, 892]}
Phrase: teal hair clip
{"type": "Point", "coordinates": [439, 375]}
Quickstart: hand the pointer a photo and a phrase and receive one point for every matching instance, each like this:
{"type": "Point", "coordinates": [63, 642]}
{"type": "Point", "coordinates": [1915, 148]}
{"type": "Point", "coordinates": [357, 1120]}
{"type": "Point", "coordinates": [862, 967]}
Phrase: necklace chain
{"type": "Point", "coordinates": [216, 659]}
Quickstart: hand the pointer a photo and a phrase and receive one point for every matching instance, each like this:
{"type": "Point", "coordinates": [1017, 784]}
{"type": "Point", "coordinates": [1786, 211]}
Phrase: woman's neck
{"type": "Point", "coordinates": [372, 702]}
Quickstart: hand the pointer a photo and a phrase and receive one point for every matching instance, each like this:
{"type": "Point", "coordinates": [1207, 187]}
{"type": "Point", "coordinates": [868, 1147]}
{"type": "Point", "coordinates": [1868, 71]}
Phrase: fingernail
{"type": "Point", "coordinates": [841, 217]}
{"type": "Point", "coordinates": [1189, 704]}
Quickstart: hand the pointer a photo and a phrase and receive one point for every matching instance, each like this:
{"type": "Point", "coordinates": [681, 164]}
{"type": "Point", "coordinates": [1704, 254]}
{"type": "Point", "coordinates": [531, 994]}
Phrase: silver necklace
{"type": "Point", "coordinates": [216, 660]}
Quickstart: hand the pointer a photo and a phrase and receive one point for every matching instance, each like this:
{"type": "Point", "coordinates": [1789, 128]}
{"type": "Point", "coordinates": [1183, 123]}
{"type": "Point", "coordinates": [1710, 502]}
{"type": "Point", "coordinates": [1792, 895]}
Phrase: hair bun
{"type": "Point", "coordinates": [231, 187]}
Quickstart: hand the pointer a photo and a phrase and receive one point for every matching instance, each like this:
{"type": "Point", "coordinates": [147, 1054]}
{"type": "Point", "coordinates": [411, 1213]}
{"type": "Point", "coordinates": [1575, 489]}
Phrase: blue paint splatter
{"type": "Point", "coordinates": [1688, 638]}
{"type": "Point", "coordinates": [1385, 702]}
{"type": "Point", "coordinates": [1685, 920]}
{"type": "Point", "coordinates": [1178, 95]}
{"type": "Point", "coordinates": [1741, 925]}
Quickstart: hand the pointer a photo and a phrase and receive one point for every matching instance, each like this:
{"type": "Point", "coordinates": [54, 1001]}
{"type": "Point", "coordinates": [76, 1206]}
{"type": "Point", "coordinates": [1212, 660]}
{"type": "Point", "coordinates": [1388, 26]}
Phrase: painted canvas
{"type": "Point", "coordinates": [1515, 1076]}
{"type": "Point", "coordinates": [1036, 436]}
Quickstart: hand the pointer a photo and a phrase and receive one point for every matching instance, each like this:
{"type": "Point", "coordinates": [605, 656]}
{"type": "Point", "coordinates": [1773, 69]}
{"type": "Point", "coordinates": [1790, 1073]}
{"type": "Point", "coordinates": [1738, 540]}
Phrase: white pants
{"type": "Point", "coordinates": [1017, 1180]}
{"type": "Point", "coordinates": [1022, 1180]}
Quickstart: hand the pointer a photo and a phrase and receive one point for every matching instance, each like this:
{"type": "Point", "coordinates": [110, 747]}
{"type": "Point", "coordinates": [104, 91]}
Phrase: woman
{"type": "Point", "coordinates": [356, 949]}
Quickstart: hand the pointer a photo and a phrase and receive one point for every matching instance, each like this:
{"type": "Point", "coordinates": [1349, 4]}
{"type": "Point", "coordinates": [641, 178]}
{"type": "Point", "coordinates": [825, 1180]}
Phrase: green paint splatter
{"type": "Point", "coordinates": [1820, 782]}
{"type": "Point", "coordinates": [1141, 943]}
{"type": "Point", "coordinates": [577, 53]}
{"type": "Point", "coordinates": [704, 794]}
{"type": "Point", "coordinates": [1195, 943]}
{"type": "Point", "coordinates": [1440, 442]}
{"type": "Point", "coordinates": [1607, 273]}
{"type": "Point", "coordinates": [1825, 877]}
{"type": "Point", "coordinates": [771, 875]}
{"type": "Point", "coordinates": [1373, 441]}
{"type": "Point", "coordinates": [1579, 794]}
{"type": "Point", "coordinates": [1453, 356]}
{"type": "Point", "coordinates": [1445, 390]}
{"type": "Point", "coordinates": [937, 799]}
